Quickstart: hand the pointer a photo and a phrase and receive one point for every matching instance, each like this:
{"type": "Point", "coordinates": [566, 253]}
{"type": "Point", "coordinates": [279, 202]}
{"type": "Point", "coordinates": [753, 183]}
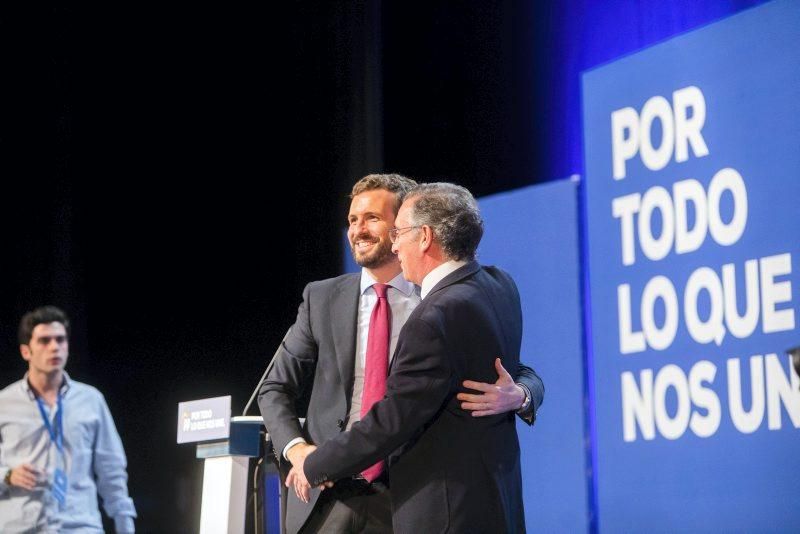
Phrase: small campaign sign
{"type": "Point", "coordinates": [204, 419]}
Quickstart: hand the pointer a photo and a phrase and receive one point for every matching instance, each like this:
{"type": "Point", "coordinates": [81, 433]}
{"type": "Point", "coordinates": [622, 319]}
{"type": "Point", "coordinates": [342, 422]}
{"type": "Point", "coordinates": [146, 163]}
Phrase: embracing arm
{"type": "Point", "coordinates": [506, 394]}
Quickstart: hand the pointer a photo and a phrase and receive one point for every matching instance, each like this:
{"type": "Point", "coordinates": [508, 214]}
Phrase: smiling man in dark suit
{"type": "Point", "coordinates": [323, 371]}
{"type": "Point", "coordinates": [449, 471]}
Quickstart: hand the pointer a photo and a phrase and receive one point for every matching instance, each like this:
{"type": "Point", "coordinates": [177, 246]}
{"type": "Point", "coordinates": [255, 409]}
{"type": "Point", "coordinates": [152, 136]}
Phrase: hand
{"type": "Point", "coordinates": [24, 476]}
{"type": "Point", "coordinates": [297, 454]}
{"type": "Point", "coordinates": [502, 396]}
{"type": "Point", "coordinates": [297, 480]}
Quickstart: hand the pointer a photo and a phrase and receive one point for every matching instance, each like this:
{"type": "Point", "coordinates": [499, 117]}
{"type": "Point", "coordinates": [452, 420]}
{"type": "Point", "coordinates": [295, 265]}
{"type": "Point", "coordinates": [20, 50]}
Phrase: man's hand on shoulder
{"type": "Point", "coordinates": [502, 396]}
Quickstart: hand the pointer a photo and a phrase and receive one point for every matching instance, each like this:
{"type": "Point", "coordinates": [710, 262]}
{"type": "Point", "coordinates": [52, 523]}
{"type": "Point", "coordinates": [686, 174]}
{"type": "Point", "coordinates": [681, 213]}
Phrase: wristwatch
{"type": "Point", "coordinates": [7, 478]}
{"type": "Point", "coordinates": [527, 402]}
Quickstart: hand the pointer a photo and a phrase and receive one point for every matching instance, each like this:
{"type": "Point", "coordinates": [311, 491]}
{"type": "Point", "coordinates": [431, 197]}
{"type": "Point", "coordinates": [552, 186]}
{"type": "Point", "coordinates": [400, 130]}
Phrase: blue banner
{"type": "Point", "coordinates": [692, 152]}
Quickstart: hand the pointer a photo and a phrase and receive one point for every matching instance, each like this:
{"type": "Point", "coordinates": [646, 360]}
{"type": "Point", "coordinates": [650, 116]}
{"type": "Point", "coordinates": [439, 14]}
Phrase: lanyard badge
{"type": "Point", "coordinates": [56, 432]}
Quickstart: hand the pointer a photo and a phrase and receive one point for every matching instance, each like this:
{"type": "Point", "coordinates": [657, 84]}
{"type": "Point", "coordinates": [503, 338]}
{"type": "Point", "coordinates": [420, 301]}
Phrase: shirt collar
{"type": "Point", "coordinates": [65, 384]}
{"type": "Point", "coordinates": [398, 282]}
{"type": "Point", "coordinates": [438, 274]}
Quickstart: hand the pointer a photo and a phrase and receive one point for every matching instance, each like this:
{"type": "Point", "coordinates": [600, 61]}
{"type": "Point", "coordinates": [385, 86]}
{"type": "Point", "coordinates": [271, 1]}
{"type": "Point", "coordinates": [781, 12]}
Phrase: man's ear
{"type": "Point", "coordinates": [25, 350]}
{"type": "Point", "coordinates": [426, 240]}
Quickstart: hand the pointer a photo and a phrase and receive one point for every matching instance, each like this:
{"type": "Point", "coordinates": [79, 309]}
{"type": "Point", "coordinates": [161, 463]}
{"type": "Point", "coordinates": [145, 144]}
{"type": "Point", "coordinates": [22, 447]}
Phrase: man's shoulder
{"type": "Point", "coordinates": [494, 270]}
{"type": "Point", "coordinates": [470, 278]}
{"type": "Point", "coordinates": [492, 276]}
{"type": "Point", "coordinates": [330, 284]}
{"type": "Point", "coordinates": [11, 389]}
{"type": "Point", "coordinates": [470, 290]}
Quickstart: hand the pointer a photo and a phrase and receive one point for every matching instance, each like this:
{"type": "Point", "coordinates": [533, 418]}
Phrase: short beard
{"type": "Point", "coordinates": [380, 257]}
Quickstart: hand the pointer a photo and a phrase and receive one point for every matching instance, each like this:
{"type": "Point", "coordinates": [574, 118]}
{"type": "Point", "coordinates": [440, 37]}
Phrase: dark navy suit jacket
{"type": "Point", "coordinates": [448, 471]}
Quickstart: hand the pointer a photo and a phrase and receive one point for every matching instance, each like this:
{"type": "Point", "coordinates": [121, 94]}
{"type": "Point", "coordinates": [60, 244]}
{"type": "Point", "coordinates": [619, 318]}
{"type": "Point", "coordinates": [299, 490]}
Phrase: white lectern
{"type": "Point", "coordinates": [225, 476]}
{"type": "Point", "coordinates": [225, 444]}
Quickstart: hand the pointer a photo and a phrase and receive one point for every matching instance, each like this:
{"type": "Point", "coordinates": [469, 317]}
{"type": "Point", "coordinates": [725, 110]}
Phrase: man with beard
{"type": "Point", "coordinates": [449, 473]}
{"type": "Point", "coordinates": [325, 370]}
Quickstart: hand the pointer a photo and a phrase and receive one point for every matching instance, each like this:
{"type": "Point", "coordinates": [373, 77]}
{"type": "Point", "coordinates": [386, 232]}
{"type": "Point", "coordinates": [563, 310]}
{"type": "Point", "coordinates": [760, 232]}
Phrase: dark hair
{"type": "Point", "coordinates": [42, 315]}
{"type": "Point", "coordinates": [452, 212]}
{"type": "Point", "coordinates": [394, 183]}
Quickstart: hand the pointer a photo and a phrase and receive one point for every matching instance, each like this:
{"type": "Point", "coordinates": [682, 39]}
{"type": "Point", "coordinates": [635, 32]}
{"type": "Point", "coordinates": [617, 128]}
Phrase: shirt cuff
{"type": "Point", "coordinates": [291, 444]}
{"type": "Point", "coordinates": [123, 524]}
{"type": "Point", "coordinates": [528, 395]}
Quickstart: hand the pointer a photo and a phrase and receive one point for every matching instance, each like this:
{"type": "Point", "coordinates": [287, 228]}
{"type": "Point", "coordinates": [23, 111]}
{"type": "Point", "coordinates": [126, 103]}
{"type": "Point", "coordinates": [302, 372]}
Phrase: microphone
{"type": "Point", "coordinates": [269, 368]}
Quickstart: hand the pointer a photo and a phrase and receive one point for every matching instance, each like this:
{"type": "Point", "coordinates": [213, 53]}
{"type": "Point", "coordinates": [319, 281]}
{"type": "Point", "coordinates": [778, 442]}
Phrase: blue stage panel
{"type": "Point", "coordinates": [533, 234]}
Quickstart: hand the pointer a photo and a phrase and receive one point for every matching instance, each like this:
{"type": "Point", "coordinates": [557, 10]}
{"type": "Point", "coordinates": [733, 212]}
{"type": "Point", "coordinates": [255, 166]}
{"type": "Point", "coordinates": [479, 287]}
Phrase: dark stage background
{"type": "Point", "coordinates": [173, 175]}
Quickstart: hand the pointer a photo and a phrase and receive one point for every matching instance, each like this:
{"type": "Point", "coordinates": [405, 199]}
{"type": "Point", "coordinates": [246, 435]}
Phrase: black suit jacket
{"type": "Point", "coordinates": [448, 471]}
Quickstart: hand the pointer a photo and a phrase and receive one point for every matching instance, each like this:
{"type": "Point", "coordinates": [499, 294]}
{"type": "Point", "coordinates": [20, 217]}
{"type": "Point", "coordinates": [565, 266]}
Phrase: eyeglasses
{"type": "Point", "coordinates": [394, 233]}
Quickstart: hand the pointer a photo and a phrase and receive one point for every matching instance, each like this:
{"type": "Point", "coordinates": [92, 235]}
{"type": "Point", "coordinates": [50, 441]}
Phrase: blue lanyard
{"type": "Point", "coordinates": [57, 433]}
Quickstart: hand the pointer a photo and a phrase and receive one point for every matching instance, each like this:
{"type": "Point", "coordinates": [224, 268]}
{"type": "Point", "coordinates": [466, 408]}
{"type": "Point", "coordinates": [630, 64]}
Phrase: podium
{"type": "Point", "coordinates": [226, 471]}
{"type": "Point", "coordinates": [226, 445]}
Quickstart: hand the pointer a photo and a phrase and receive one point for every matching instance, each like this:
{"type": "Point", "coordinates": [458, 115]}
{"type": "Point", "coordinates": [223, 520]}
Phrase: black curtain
{"type": "Point", "coordinates": [174, 175]}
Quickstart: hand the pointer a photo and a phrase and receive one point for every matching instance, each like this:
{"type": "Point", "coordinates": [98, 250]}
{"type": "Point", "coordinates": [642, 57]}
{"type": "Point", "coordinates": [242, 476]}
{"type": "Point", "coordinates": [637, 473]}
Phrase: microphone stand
{"type": "Point", "coordinates": [266, 372]}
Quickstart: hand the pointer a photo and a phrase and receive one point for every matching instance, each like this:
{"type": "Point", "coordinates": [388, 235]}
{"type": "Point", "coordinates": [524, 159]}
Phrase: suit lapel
{"type": "Point", "coordinates": [456, 276]}
{"type": "Point", "coordinates": [345, 303]}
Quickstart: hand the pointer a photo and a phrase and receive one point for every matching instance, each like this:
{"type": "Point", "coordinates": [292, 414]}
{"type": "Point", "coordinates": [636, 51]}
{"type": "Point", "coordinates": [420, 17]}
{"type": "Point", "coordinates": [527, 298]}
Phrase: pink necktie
{"type": "Point", "coordinates": [377, 363]}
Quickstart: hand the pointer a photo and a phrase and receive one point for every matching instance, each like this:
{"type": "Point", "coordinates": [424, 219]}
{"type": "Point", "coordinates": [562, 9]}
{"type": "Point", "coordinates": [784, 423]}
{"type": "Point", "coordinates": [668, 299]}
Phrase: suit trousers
{"type": "Point", "coordinates": [352, 506]}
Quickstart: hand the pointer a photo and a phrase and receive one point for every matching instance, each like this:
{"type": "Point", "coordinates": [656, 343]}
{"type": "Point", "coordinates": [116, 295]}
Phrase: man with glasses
{"type": "Point", "coordinates": [58, 443]}
{"type": "Point", "coordinates": [449, 473]}
{"type": "Point", "coordinates": [333, 366]}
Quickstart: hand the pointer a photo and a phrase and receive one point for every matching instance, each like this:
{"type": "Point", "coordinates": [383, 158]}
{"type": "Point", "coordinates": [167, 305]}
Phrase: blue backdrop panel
{"type": "Point", "coordinates": [533, 234]}
{"type": "Point", "coordinates": [692, 153]}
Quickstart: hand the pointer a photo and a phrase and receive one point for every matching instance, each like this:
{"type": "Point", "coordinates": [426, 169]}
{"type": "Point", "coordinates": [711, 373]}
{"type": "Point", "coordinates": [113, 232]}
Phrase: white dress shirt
{"type": "Point", "coordinates": [403, 297]}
